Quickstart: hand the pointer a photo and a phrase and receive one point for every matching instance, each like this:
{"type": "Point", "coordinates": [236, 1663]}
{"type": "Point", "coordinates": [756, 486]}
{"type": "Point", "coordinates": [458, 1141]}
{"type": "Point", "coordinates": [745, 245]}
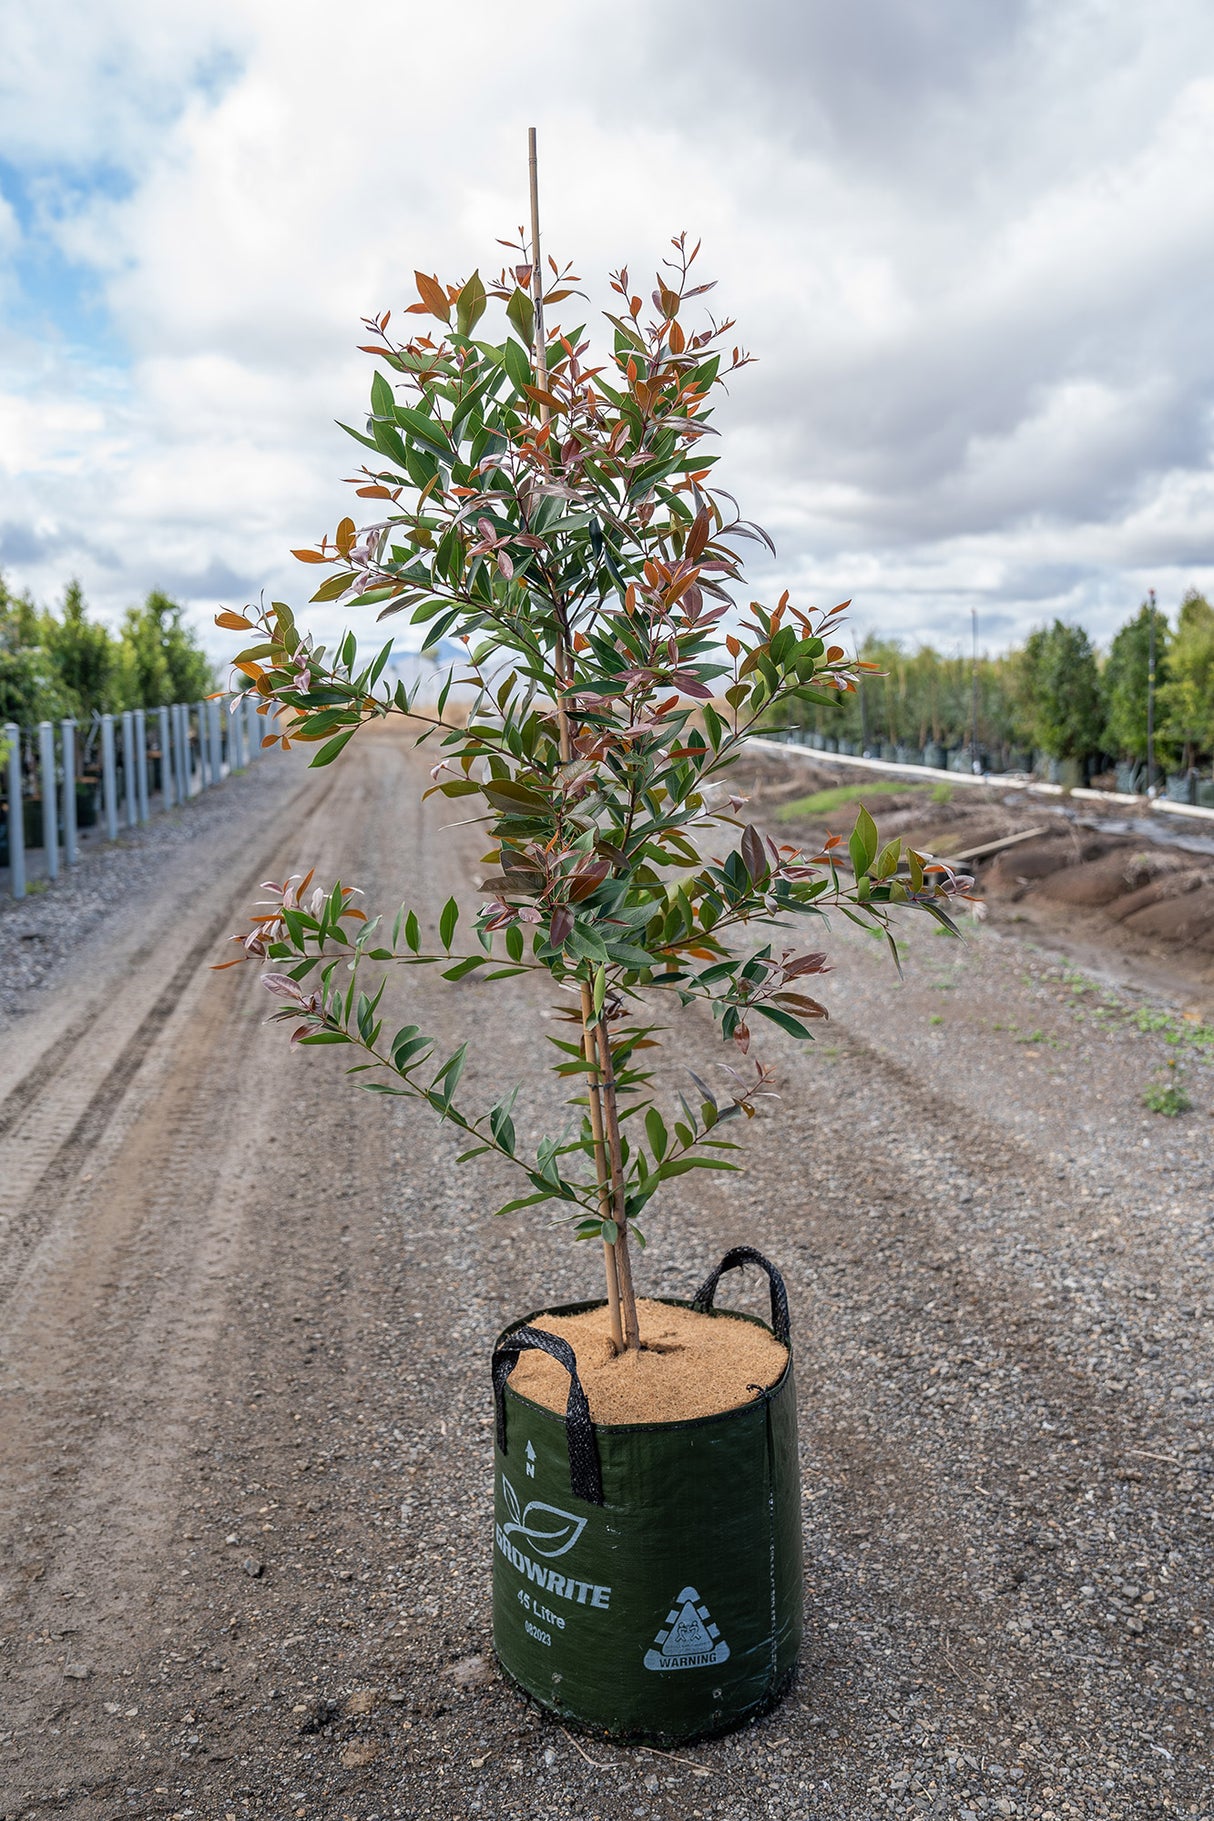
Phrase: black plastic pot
{"type": "Point", "coordinates": [647, 1579]}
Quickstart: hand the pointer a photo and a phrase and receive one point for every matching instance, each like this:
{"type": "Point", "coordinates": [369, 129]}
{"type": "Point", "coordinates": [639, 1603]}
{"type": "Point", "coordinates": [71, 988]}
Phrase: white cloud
{"type": "Point", "coordinates": [973, 251]}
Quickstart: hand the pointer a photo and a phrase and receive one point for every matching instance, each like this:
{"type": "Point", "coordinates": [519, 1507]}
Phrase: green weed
{"type": "Point", "coordinates": [822, 802]}
{"type": "Point", "coordinates": [1175, 1031]}
{"type": "Point", "coordinates": [1166, 1097]}
{"type": "Point", "coordinates": [943, 793]}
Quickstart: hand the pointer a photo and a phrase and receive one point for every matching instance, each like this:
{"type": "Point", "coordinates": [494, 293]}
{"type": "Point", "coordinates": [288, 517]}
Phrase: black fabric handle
{"type": "Point", "coordinates": [585, 1475]}
{"type": "Point", "coordinates": [746, 1255]}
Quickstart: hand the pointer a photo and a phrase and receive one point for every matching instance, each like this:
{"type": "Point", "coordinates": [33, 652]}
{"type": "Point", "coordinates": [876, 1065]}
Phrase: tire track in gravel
{"type": "Point", "coordinates": [94, 1078]}
{"type": "Point", "coordinates": [111, 1341]}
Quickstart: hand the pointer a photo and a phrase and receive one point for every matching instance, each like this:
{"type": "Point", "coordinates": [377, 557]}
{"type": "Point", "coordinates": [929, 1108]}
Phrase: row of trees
{"type": "Point", "coordinates": [61, 662]}
{"type": "Point", "coordinates": [1056, 694]}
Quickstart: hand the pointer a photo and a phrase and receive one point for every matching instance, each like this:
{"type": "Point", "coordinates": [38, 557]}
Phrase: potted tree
{"type": "Point", "coordinates": [552, 511]}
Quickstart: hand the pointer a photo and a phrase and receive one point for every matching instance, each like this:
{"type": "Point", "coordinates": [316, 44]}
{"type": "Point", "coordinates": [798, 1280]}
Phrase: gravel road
{"type": "Point", "coordinates": [245, 1320]}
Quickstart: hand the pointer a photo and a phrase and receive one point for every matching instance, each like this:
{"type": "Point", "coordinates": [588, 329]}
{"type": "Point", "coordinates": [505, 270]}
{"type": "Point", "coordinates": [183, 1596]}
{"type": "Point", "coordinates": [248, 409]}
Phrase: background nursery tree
{"type": "Point", "coordinates": [551, 510]}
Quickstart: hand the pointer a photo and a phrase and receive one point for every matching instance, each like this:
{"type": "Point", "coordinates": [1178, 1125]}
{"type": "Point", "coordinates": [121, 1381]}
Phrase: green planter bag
{"type": "Point", "coordinates": [647, 1577]}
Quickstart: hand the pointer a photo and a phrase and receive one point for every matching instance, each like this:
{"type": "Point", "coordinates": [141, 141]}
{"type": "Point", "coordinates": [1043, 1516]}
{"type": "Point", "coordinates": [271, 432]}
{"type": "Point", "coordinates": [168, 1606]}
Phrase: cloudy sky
{"type": "Point", "coordinates": [971, 246]}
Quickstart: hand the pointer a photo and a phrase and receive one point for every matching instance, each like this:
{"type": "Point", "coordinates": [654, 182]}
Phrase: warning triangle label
{"type": "Point", "coordinates": [689, 1639]}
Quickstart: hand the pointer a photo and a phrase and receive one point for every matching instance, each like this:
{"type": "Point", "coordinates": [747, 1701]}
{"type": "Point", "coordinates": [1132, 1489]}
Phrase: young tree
{"type": "Point", "coordinates": [1186, 699]}
{"type": "Point", "coordinates": [1125, 681]}
{"type": "Point", "coordinates": [162, 659]}
{"type": "Point", "coordinates": [30, 689]}
{"type": "Point", "coordinates": [83, 653]}
{"type": "Point", "coordinates": [1063, 680]}
{"type": "Point", "coordinates": [552, 512]}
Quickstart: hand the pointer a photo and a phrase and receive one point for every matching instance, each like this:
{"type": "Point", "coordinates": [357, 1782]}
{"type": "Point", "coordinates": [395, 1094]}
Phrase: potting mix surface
{"type": "Point", "coordinates": [689, 1365]}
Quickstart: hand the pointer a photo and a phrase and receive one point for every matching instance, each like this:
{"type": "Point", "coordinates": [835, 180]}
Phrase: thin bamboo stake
{"type": "Point", "coordinates": [609, 1195]}
{"type": "Point", "coordinates": [540, 347]}
{"type": "Point", "coordinates": [537, 276]}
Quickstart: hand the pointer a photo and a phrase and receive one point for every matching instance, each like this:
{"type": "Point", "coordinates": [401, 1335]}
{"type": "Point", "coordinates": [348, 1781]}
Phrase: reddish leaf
{"type": "Point", "coordinates": [433, 296]}
{"type": "Point", "coordinates": [754, 853]}
{"type": "Point", "coordinates": [691, 686]}
{"type": "Point", "coordinates": [561, 926]}
{"type": "Point", "coordinates": [805, 964]}
{"type": "Point", "coordinates": [698, 536]}
{"type": "Point", "coordinates": [808, 1008]}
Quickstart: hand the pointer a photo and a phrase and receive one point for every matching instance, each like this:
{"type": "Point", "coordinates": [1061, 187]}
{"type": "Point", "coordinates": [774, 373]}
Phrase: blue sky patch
{"type": "Point", "coordinates": [54, 297]}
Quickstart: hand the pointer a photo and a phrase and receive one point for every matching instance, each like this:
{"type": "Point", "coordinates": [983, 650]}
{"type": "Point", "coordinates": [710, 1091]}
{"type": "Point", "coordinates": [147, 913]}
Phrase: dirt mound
{"type": "Point", "coordinates": [690, 1365]}
{"type": "Point", "coordinates": [1186, 917]}
{"type": "Point", "coordinates": [1078, 879]}
{"type": "Point", "coordinates": [1097, 882]}
{"type": "Point", "coordinates": [1176, 882]}
{"type": "Point", "coordinates": [1027, 862]}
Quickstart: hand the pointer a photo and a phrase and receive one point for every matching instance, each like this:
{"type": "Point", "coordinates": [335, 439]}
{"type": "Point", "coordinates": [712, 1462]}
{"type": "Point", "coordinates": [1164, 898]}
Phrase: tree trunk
{"type": "Point", "coordinates": [601, 1165]}
{"type": "Point", "coordinates": [611, 1127]}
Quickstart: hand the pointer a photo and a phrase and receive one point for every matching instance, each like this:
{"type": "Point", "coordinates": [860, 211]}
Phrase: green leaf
{"type": "Point", "coordinates": [447, 923]}
{"type": "Point", "coordinates": [520, 312]}
{"type": "Point", "coordinates": [449, 561]}
{"type": "Point", "coordinates": [336, 584]}
{"type": "Point", "coordinates": [610, 1231]}
{"type": "Point", "coordinates": [412, 932]}
{"type": "Point", "coordinates": [863, 843]}
{"type": "Point", "coordinates": [470, 304]}
{"type": "Point", "coordinates": [887, 859]}
{"type": "Point", "coordinates": [449, 1074]}
{"type": "Point", "coordinates": [327, 1037]}
{"type": "Point", "coordinates": [331, 748]}
{"type": "Point", "coordinates": [524, 1201]}
{"type": "Point", "coordinates": [423, 429]}
{"type": "Point", "coordinates": [358, 436]}
{"type": "Point", "coordinates": [501, 1124]}
{"type": "Point", "coordinates": [389, 442]}
{"type": "Point", "coordinates": [655, 1131]}
{"type": "Point", "coordinates": [377, 668]}
{"type": "Point", "coordinates": [514, 798]}
{"type": "Point", "coordinates": [514, 942]}
{"type": "Point", "coordinates": [383, 399]}
{"type": "Point", "coordinates": [785, 1020]}
{"type": "Point", "coordinates": [518, 364]}
{"type": "Point", "coordinates": [467, 966]}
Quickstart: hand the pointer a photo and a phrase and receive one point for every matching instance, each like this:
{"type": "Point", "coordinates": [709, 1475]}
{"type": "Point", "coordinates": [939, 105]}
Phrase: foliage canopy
{"type": "Point", "coordinates": [54, 664]}
{"type": "Point", "coordinates": [552, 510]}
